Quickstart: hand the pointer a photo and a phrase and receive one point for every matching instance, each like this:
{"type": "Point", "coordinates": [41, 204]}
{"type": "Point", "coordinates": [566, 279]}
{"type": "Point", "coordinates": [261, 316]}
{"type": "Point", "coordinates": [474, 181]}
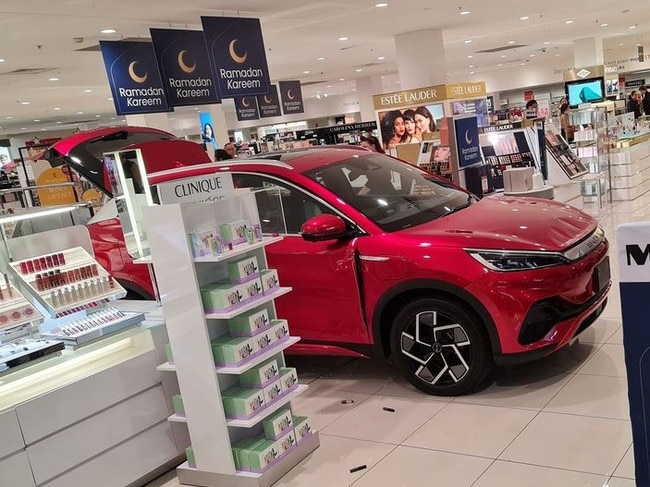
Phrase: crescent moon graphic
{"type": "Point", "coordinates": [184, 67]}
{"type": "Point", "coordinates": [236, 57]}
{"type": "Point", "coordinates": [135, 77]}
{"type": "Point", "coordinates": [290, 95]}
{"type": "Point", "coordinates": [244, 102]}
{"type": "Point", "coordinates": [467, 137]}
{"type": "Point", "coordinates": [267, 99]}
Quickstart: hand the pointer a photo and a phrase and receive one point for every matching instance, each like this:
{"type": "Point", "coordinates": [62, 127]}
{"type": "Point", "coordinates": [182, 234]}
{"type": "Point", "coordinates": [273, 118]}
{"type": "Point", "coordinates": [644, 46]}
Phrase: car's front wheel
{"type": "Point", "coordinates": [440, 348]}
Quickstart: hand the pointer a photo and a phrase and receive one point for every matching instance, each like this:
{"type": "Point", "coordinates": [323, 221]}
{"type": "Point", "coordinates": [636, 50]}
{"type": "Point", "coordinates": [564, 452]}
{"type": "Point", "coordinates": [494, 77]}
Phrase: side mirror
{"type": "Point", "coordinates": [324, 227]}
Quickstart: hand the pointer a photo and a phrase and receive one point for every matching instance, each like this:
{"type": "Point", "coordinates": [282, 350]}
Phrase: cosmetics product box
{"type": "Point", "coordinates": [243, 270]}
{"type": "Point", "coordinates": [228, 350]}
{"type": "Point", "coordinates": [177, 401]}
{"type": "Point", "coordinates": [518, 179]}
{"type": "Point", "coordinates": [272, 391]}
{"type": "Point", "coordinates": [250, 323]}
{"type": "Point", "coordinates": [288, 378]}
{"type": "Point", "coordinates": [169, 354]}
{"type": "Point", "coordinates": [191, 461]}
{"type": "Point", "coordinates": [302, 427]}
{"type": "Point", "coordinates": [219, 296]}
{"type": "Point", "coordinates": [205, 243]}
{"type": "Point", "coordinates": [279, 330]}
{"type": "Point", "coordinates": [270, 281]}
{"type": "Point", "coordinates": [286, 442]}
{"type": "Point", "coordinates": [240, 452]}
{"type": "Point", "coordinates": [262, 454]}
{"type": "Point", "coordinates": [262, 375]}
{"type": "Point", "coordinates": [278, 424]}
{"type": "Point", "coordinates": [250, 289]}
{"type": "Point", "coordinates": [234, 233]}
{"type": "Point", "coordinates": [241, 402]}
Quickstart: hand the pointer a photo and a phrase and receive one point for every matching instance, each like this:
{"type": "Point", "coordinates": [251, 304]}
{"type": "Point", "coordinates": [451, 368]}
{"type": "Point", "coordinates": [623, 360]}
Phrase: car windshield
{"type": "Point", "coordinates": [393, 194]}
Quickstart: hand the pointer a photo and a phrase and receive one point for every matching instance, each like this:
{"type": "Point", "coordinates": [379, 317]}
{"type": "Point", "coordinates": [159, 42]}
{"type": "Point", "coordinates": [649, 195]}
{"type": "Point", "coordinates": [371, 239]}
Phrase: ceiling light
{"type": "Point", "coordinates": [471, 66]}
{"type": "Point", "coordinates": [37, 120]}
{"type": "Point", "coordinates": [632, 27]}
{"type": "Point", "coordinates": [523, 64]}
{"type": "Point", "coordinates": [306, 72]}
{"type": "Point", "coordinates": [9, 118]}
{"type": "Point", "coordinates": [381, 5]}
{"type": "Point", "coordinates": [341, 79]}
{"type": "Point", "coordinates": [88, 90]}
{"type": "Point", "coordinates": [471, 72]}
{"type": "Point", "coordinates": [465, 12]}
{"type": "Point", "coordinates": [97, 116]}
{"type": "Point", "coordinates": [24, 103]}
{"type": "Point", "coordinates": [468, 41]}
{"type": "Point", "coordinates": [546, 43]}
{"type": "Point", "coordinates": [511, 42]}
{"type": "Point", "coordinates": [343, 38]}
{"type": "Point", "coordinates": [557, 55]}
{"type": "Point", "coordinates": [503, 55]}
{"type": "Point", "coordinates": [568, 21]}
{"type": "Point", "coordinates": [328, 86]}
{"type": "Point", "coordinates": [57, 108]}
{"type": "Point", "coordinates": [381, 58]}
{"type": "Point", "coordinates": [80, 113]}
{"type": "Point", "coordinates": [53, 78]}
{"type": "Point", "coordinates": [2, 60]}
{"type": "Point", "coordinates": [525, 17]}
{"type": "Point", "coordinates": [531, 55]}
{"type": "Point", "coordinates": [358, 70]}
{"type": "Point", "coordinates": [320, 59]}
{"type": "Point", "coordinates": [604, 25]}
{"type": "Point", "coordinates": [59, 122]}
{"type": "Point", "coordinates": [499, 65]}
{"type": "Point", "coordinates": [108, 31]}
{"type": "Point", "coordinates": [470, 56]}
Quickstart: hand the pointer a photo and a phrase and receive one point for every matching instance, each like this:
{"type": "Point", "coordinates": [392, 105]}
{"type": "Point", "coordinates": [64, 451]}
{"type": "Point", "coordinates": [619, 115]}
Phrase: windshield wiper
{"type": "Point", "coordinates": [470, 200]}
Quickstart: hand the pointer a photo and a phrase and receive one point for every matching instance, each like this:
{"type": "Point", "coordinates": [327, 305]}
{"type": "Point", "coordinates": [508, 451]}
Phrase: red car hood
{"type": "Point", "coordinates": [508, 224]}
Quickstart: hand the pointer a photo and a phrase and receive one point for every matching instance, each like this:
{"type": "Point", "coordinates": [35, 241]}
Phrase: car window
{"type": "Point", "coordinates": [283, 208]}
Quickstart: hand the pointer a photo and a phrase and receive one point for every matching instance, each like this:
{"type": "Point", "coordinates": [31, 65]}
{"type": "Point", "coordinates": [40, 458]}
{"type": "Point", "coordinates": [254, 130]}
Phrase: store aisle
{"type": "Point", "coordinates": [562, 420]}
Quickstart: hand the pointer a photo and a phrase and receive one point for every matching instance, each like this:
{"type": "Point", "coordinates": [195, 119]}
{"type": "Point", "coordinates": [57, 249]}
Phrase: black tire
{"type": "Point", "coordinates": [450, 353]}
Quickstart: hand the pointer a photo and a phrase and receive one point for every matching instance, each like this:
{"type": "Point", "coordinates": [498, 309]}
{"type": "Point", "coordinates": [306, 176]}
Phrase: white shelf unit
{"type": "Point", "coordinates": [180, 277]}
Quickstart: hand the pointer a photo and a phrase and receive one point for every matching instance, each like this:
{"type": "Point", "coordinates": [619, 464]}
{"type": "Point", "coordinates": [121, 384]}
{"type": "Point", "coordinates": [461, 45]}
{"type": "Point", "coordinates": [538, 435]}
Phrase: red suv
{"type": "Point", "coordinates": [385, 258]}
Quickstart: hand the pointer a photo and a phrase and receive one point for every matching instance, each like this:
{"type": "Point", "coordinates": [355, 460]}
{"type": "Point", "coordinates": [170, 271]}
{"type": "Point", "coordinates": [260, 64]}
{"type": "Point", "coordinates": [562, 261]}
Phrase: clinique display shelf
{"type": "Point", "coordinates": [26, 351]}
{"type": "Point", "coordinates": [15, 310]}
{"type": "Point", "coordinates": [67, 282]}
{"type": "Point", "coordinates": [226, 344]}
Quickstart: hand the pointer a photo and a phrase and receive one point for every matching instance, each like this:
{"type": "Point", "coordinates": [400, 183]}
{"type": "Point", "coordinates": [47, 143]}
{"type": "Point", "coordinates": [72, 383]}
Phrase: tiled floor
{"type": "Point", "coordinates": [561, 421]}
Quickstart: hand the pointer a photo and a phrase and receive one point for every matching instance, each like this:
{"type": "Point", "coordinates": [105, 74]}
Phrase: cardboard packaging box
{"type": "Point", "coordinates": [240, 453]}
{"type": "Point", "coordinates": [278, 424]}
{"type": "Point", "coordinates": [219, 296]}
{"type": "Point", "coordinates": [272, 392]}
{"type": "Point", "coordinates": [262, 375]}
{"type": "Point", "coordinates": [243, 270]}
{"type": "Point", "coordinates": [286, 443]}
{"type": "Point", "coordinates": [302, 427]}
{"type": "Point", "coordinates": [270, 281]}
{"type": "Point", "coordinates": [250, 324]}
{"type": "Point", "coordinates": [242, 403]}
{"type": "Point", "coordinates": [234, 233]}
{"type": "Point", "coordinates": [288, 379]}
{"type": "Point", "coordinates": [228, 350]}
{"type": "Point", "coordinates": [262, 454]}
{"type": "Point", "coordinates": [518, 179]}
{"type": "Point", "coordinates": [177, 401]}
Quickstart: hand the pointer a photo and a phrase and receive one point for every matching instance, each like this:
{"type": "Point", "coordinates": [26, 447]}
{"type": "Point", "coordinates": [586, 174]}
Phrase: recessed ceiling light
{"type": "Point", "coordinates": [525, 17]}
{"type": "Point", "coordinates": [80, 113]}
{"type": "Point", "coordinates": [88, 90]}
{"type": "Point", "coordinates": [546, 43]}
{"type": "Point", "coordinates": [37, 120]}
{"type": "Point", "coordinates": [53, 78]}
{"type": "Point", "coordinates": [23, 128]}
{"type": "Point", "coordinates": [568, 21]}
{"type": "Point", "coordinates": [358, 70]}
{"type": "Point", "coordinates": [344, 38]}
{"type": "Point", "coordinates": [56, 108]}
{"type": "Point", "coordinates": [604, 25]}
{"type": "Point", "coordinates": [523, 64]}
{"type": "Point", "coordinates": [557, 55]}
{"type": "Point", "coordinates": [2, 60]}
{"type": "Point", "coordinates": [511, 42]}
{"type": "Point", "coordinates": [320, 59]}
{"type": "Point", "coordinates": [471, 66]}
{"type": "Point", "coordinates": [24, 103]}
{"type": "Point", "coordinates": [341, 79]}
{"type": "Point", "coordinates": [108, 31]}
{"type": "Point", "coordinates": [470, 57]}
{"type": "Point", "coordinates": [306, 72]}
{"type": "Point", "coordinates": [381, 58]}
{"type": "Point", "coordinates": [381, 5]}
{"type": "Point", "coordinates": [9, 118]}
{"type": "Point", "coordinates": [468, 41]}
{"type": "Point", "coordinates": [504, 55]}
{"type": "Point", "coordinates": [531, 55]}
{"type": "Point", "coordinates": [632, 27]}
{"type": "Point", "coordinates": [59, 122]}
{"type": "Point", "coordinates": [97, 116]}
{"type": "Point", "coordinates": [471, 72]}
{"type": "Point", "coordinates": [499, 65]}
{"type": "Point", "coordinates": [621, 43]}
{"type": "Point", "coordinates": [465, 12]}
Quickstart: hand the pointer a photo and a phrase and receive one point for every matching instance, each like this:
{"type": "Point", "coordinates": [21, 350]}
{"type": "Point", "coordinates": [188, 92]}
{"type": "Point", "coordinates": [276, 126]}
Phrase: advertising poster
{"type": "Point", "coordinates": [291, 95]}
{"type": "Point", "coordinates": [237, 55]}
{"type": "Point", "coordinates": [207, 129]}
{"type": "Point", "coordinates": [184, 67]}
{"type": "Point", "coordinates": [6, 162]}
{"type": "Point", "coordinates": [467, 141]}
{"type": "Point", "coordinates": [246, 108]}
{"type": "Point", "coordinates": [269, 104]}
{"type": "Point", "coordinates": [133, 76]}
{"type": "Point", "coordinates": [473, 107]}
{"type": "Point", "coordinates": [409, 125]}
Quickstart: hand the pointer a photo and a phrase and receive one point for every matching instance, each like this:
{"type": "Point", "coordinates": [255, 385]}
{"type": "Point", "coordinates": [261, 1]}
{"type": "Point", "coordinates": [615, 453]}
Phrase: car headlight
{"type": "Point", "coordinates": [517, 261]}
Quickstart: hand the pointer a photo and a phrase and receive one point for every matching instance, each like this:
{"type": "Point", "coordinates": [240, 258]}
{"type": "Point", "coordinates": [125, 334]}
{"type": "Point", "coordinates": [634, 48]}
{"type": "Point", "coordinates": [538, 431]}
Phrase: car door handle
{"type": "Point", "coordinates": [372, 258]}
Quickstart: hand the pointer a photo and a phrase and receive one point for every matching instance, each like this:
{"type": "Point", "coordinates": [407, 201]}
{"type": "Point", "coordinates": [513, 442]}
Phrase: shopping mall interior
{"type": "Point", "coordinates": [110, 404]}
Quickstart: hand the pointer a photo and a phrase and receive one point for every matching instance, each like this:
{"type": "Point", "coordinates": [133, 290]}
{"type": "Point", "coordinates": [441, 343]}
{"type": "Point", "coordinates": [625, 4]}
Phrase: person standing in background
{"type": "Point", "coordinates": [635, 104]}
{"type": "Point", "coordinates": [646, 99]}
{"type": "Point", "coordinates": [566, 129]}
{"type": "Point", "coordinates": [230, 149]}
{"type": "Point", "coordinates": [372, 144]}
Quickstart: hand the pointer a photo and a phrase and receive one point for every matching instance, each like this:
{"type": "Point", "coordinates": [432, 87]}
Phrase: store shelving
{"type": "Point", "coordinates": [181, 276]}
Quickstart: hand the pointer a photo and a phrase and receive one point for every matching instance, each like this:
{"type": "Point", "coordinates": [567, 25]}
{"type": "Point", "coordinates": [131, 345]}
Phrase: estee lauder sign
{"type": "Point", "coordinates": [424, 96]}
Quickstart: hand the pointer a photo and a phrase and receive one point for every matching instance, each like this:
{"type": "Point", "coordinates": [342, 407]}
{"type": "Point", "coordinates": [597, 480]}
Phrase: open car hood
{"type": "Point", "coordinates": [161, 150]}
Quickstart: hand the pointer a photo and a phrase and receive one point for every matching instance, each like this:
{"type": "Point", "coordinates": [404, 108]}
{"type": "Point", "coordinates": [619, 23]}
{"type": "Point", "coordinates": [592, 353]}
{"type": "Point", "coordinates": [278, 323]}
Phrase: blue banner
{"type": "Point", "coordinates": [467, 142]}
{"type": "Point", "coordinates": [133, 77]}
{"type": "Point", "coordinates": [237, 55]}
{"type": "Point", "coordinates": [246, 108]}
{"type": "Point", "coordinates": [207, 129]}
{"type": "Point", "coordinates": [269, 104]}
{"type": "Point", "coordinates": [291, 95]}
{"type": "Point", "coordinates": [184, 67]}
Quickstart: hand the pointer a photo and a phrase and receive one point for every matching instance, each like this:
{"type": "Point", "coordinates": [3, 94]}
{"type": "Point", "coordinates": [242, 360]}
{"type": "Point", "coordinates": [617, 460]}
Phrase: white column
{"type": "Point", "coordinates": [366, 88]}
{"type": "Point", "coordinates": [421, 59]}
{"type": "Point", "coordinates": [154, 120]}
{"type": "Point", "coordinates": [588, 52]}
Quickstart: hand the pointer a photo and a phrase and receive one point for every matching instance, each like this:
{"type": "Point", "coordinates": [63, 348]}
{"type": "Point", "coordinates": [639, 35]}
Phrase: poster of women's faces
{"type": "Point", "coordinates": [409, 125]}
{"type": "Point", "coordinates": [6, 162]}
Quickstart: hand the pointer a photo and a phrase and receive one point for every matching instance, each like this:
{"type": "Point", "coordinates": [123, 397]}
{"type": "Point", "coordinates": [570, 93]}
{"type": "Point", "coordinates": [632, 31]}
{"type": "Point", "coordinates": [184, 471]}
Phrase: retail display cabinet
{"type": "Point", "coordinates": [591, 140]}
{"type": "Point", "coordinates": [226, 343]}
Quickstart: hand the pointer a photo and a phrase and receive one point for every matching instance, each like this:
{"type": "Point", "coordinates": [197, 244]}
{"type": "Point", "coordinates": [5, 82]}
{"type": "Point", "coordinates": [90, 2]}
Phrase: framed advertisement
{"type": "Point", "coordinates": [562, 154]}
{"type": "Point", "coordinates": [409, 125]}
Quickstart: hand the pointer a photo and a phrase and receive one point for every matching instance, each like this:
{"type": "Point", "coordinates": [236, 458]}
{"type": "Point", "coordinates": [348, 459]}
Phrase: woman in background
{"type": "Point", "coordinates": [372, 144]}
{"type": "Point", "coordinates": [393, 128]}
{"type": "Point", "coordinates": [424, 121]}
{"type": "Point", "coordinates": [410, 134]}
{"type": "Point", "coordinates": [566, 129]}
{"type": "Point", "coordinates": [635, 104]}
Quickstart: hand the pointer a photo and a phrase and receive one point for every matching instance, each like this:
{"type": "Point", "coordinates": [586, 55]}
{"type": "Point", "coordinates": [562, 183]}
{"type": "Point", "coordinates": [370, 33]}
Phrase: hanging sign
{"type": "Point", "coordinates": [269, 104]}
{"type": "Point", "coordinates": [246, 108]}
{"type": "Point", "coordinates": [237, 54]}
{"type": "Point", "coordinates": [133, 77]}
{"type": "Point", "coordinates": [291, 95]}
{"type": "Point", "coordinates": [184, 67]}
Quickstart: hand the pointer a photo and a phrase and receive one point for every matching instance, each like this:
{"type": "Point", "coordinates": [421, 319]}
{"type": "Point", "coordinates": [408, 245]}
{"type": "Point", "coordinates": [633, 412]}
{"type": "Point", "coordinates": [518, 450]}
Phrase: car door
{"type": "Point", "coordinates": [325, 304]}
